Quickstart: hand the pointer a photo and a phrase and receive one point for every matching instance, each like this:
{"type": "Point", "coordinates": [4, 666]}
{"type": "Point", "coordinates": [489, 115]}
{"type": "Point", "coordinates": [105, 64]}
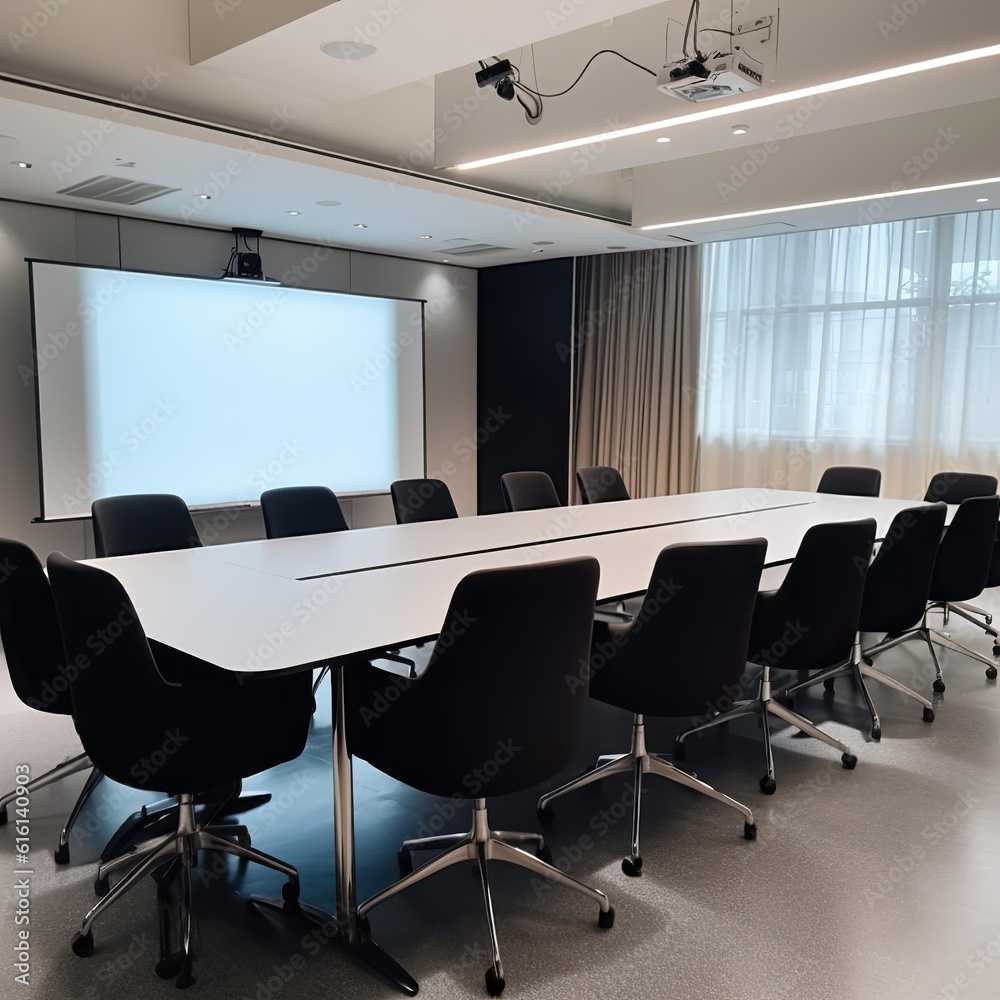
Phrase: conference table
{"type": "Point", "coordinates": [289, 604]}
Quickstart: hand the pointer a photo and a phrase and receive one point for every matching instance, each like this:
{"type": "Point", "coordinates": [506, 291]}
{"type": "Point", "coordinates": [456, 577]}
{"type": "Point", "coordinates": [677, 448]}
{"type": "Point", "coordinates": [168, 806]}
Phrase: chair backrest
{"type": "Point", "coordinates": [29, 628]}
{"type": "Point", "coordinates": [851, 480]}
{"type": "Point", "coordinates": [674, 659]}
{"type": "Point", "coordinates": [601, 484]}
{"type": "Point", "coordinates": [144, 522]}
{"type": "Point", "coordinates": [966, 551]}
{"type": "Point", "coordinates": [421, 500]}
{"type": "Point", "coordinates": [144, 730]}
{"type": "Point", "coordinates": [811, 620]}
{"type": "Point", "coordinates": [528, 491]}
{"type": "Point", "coordinates": [301, 510]}
{"type": "Point", "coordinates": [954, 487]}
{"type": "Point", "coordinates": [899, 578]}
{"type": "Point", "coordinates": [496, 680]}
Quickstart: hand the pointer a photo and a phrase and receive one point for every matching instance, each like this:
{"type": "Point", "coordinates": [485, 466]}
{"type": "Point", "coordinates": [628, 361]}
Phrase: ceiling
{"type": "Point", "coordinates": [383, 134]}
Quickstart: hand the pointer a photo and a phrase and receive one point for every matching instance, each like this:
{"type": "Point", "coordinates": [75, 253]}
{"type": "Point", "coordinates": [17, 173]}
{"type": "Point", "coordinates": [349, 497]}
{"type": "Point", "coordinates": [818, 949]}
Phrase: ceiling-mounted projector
{"type": "Point", "coordinates": [712, 78]}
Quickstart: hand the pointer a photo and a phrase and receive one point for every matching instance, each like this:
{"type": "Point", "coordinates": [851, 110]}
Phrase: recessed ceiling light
{"type": "Point", "coordinates": [293, 212]}
{"type": "Point", "coordinates": [825, 204]}
{"type": "Point", "coordinates": [360, 225]}
{"type": "Point", "coordinates": [352, 51]}
{"type": "Point", "coordinates": [205, 197]}
{"type": "Point", "coordinates": [445, 261]}
{"type": "Point", "coordinates": [329, 203]}
{"type": "Point", "coordinates": [740, 129]}
{"type": "Point", "coordinates": [741, 108]}
{"type": "Point", "coordinates": [616, 248]}
{"type": "Point", "coordinates": [542, 243]}
{"type": "Point", "coordinates": [539, 250]}
{"type": "Point", "coordinates": [21, 163]}
{"type": "Point", "coordinates": [921, 232]}
{"type": "Point", "coordinates": [427, 237]}
{"type": "Point", "coordinates": [663, 138]}
{"type": "Point", "coordinates": [979, 201]}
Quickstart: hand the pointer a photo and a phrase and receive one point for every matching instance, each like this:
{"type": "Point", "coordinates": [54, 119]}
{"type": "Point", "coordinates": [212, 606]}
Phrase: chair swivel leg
{"type": "Point", "coordinates": [62, 848]}
{"type": "Point", "coordinates": [72, 766]}
{"type": "Point", "coordinates": [967, 612]}
{"type": "Point", "coordinates": [494, 974]}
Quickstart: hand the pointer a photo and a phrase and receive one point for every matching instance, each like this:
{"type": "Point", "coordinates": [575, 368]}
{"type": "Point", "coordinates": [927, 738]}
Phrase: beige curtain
{"type": "Point", "coordinates": [638, 318]}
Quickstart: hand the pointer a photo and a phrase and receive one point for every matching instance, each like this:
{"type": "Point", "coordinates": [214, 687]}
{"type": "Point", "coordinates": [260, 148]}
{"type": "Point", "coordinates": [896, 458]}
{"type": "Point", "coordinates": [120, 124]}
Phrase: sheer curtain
{"type": "Point", "coordinates": [871, 345]}
{"type": "Point", "coordinates": [636, 336]}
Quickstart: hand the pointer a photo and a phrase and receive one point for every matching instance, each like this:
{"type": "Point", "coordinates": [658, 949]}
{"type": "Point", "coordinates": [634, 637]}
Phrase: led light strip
{"type": "Point", "coordinates": [824, 204]}
{"type": "Point", "coordinates": [743, 106]}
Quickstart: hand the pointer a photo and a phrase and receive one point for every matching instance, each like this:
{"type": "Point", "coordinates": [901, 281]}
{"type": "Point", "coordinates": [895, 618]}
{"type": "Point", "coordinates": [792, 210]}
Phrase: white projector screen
{"type": "Point", "coordinates": [218, 390]}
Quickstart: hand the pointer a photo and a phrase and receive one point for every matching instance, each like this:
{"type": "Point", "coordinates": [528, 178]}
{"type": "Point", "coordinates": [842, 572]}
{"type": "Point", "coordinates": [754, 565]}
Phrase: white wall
{"type": "Point", "coordinates": [91, 238]}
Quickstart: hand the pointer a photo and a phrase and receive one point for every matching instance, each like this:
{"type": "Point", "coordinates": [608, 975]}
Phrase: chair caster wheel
{"type": "Point", "coordinates": [768, 785]}
{"type": "Point", "coordinates": [494, 983]}
{"type": "Point", "coordinates": [749, 831]}
{"type": "Point", "coordinates": [849, 761]}
{"type": "Point", "coordinates": [606, 919]}
{"type": "Point", "coordinates": [830, 685]}
{"type": "Point", "coordinates": [83, 944]}
{"type": "Point", "coordinates": [405, 860]}
{"type": "Point", "coordinates": [996, 652]}
{"type": "Point", "coordinates": [991, 673]}
{"type": "Point", "coordinates": [938, 685]}
{"type": "Point", "coordinates": [632, 866]}
{"type": "Point", "coordinates": [679, 751]}
{"type": "Point", "coordinates": [101, 886]}
{"type": "Point", "coordinates": [546, 814]}
{"type": "Point", "coordinates": [61, 853]}
{"type": "Point", "coordinates": [877, 733]}
{"type": "Point", "coordinates": [185, 977]}
{"type": "Point", "coordinates": [989, 619]}
{"type": "Point", "coordinates": [290, 893]}
{"type": "Point", "coordinates": [3, 812]}
{"type": "Point", "coordinates": [170, 967]}
{"type": "Point", "coordinates": [928, 714]}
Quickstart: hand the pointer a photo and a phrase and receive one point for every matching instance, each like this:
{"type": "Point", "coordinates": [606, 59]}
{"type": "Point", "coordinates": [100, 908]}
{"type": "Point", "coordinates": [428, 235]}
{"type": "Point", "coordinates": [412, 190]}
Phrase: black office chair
{"type": "Point", "coordinates": [38, 669]}
{"type": "Point", "coordinates": [954, 487]}
{"type": "Point", "coordinates": [673, 659]}
{"type": "Point", "coordinates": [421, 500]}
{"type": "Point", "coordinates": [491, 716]}
{"type": "Point", "coordinates": [224, 728]}
{"type": "Point", "coordinates": [808, 623]}
{"type": "Point", "coordinates": [895, 597]}
{"type": "Point", "coordinates": [528, 491]}
{"type": "Point", "coordinates": [851, 480]}
{"type": "Point", "coordinates": [601, 484]}
{"type": "Point", "coordinates": [301, 510]}
{"type": "Point", "coordinates": [961, 572]}
{"type": "Point", "coordinates": [144, 522]}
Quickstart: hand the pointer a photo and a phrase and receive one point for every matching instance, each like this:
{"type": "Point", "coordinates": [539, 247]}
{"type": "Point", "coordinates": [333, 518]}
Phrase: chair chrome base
{"type": "Point", "coordinates": [72, 766]}
{"type": "Point", "coordinates": [177, 853]}
{"type": "Point", "coordinates": [932, 637]}
{"type": "Point", "coordinates": [859, 670]}
{"type": "Point", "coordinates": [638, 761]}
{"type": "Point", "coordinates": [969, 612]}
{"type": "Point", "coordinates": [763, 707]}
{"type": "Point", "coordinates": [482, 844]}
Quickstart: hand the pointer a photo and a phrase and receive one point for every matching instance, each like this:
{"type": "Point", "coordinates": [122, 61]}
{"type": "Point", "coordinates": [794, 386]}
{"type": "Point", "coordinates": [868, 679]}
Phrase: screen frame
{"type": "Point", "coordinates": [206, 508]}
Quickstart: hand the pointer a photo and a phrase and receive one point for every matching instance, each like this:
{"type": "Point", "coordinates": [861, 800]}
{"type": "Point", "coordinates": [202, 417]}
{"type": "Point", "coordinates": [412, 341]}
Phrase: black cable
{"type": "Point", "coordinates": [584, 70]}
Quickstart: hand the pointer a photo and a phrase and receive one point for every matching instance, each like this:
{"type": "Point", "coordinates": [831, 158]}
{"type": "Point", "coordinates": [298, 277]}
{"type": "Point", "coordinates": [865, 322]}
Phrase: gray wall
{"type": "Point", "coordinates": [91, 238]}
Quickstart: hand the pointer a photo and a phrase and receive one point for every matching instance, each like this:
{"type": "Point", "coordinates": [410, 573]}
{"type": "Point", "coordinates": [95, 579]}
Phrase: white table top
{"type": "Point", "coordinates": [209, 601]}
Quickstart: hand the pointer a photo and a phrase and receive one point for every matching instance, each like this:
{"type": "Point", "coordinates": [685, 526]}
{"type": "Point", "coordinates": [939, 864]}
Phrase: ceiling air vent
{"type": "Point", "coordinates": [116, 189]}
{"type": "Point", "coordinates": [471, 248]}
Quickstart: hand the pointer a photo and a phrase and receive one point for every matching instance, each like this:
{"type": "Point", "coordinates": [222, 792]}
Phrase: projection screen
{"type": "Point", "coordinates": [218, 390]}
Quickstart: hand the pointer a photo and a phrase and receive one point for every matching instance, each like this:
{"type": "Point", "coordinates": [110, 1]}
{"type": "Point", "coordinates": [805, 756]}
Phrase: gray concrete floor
{"type": "Point", "coordinates": [880, 883]}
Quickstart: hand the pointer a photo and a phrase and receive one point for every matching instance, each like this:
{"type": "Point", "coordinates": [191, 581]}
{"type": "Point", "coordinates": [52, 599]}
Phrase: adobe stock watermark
{"type": "Point", "coordinates": [913, 169]}
{"type": "Point", "coordinates": [34, 24]}
{"type": "Point", "coordinates": [899, 16]}
{"type": "Point", "coordinates": [92, 139]}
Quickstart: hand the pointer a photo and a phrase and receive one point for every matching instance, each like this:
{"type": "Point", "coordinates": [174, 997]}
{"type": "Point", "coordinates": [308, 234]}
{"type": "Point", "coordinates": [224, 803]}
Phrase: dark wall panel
{"type": "Point", "coordinates": [525, 325]}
